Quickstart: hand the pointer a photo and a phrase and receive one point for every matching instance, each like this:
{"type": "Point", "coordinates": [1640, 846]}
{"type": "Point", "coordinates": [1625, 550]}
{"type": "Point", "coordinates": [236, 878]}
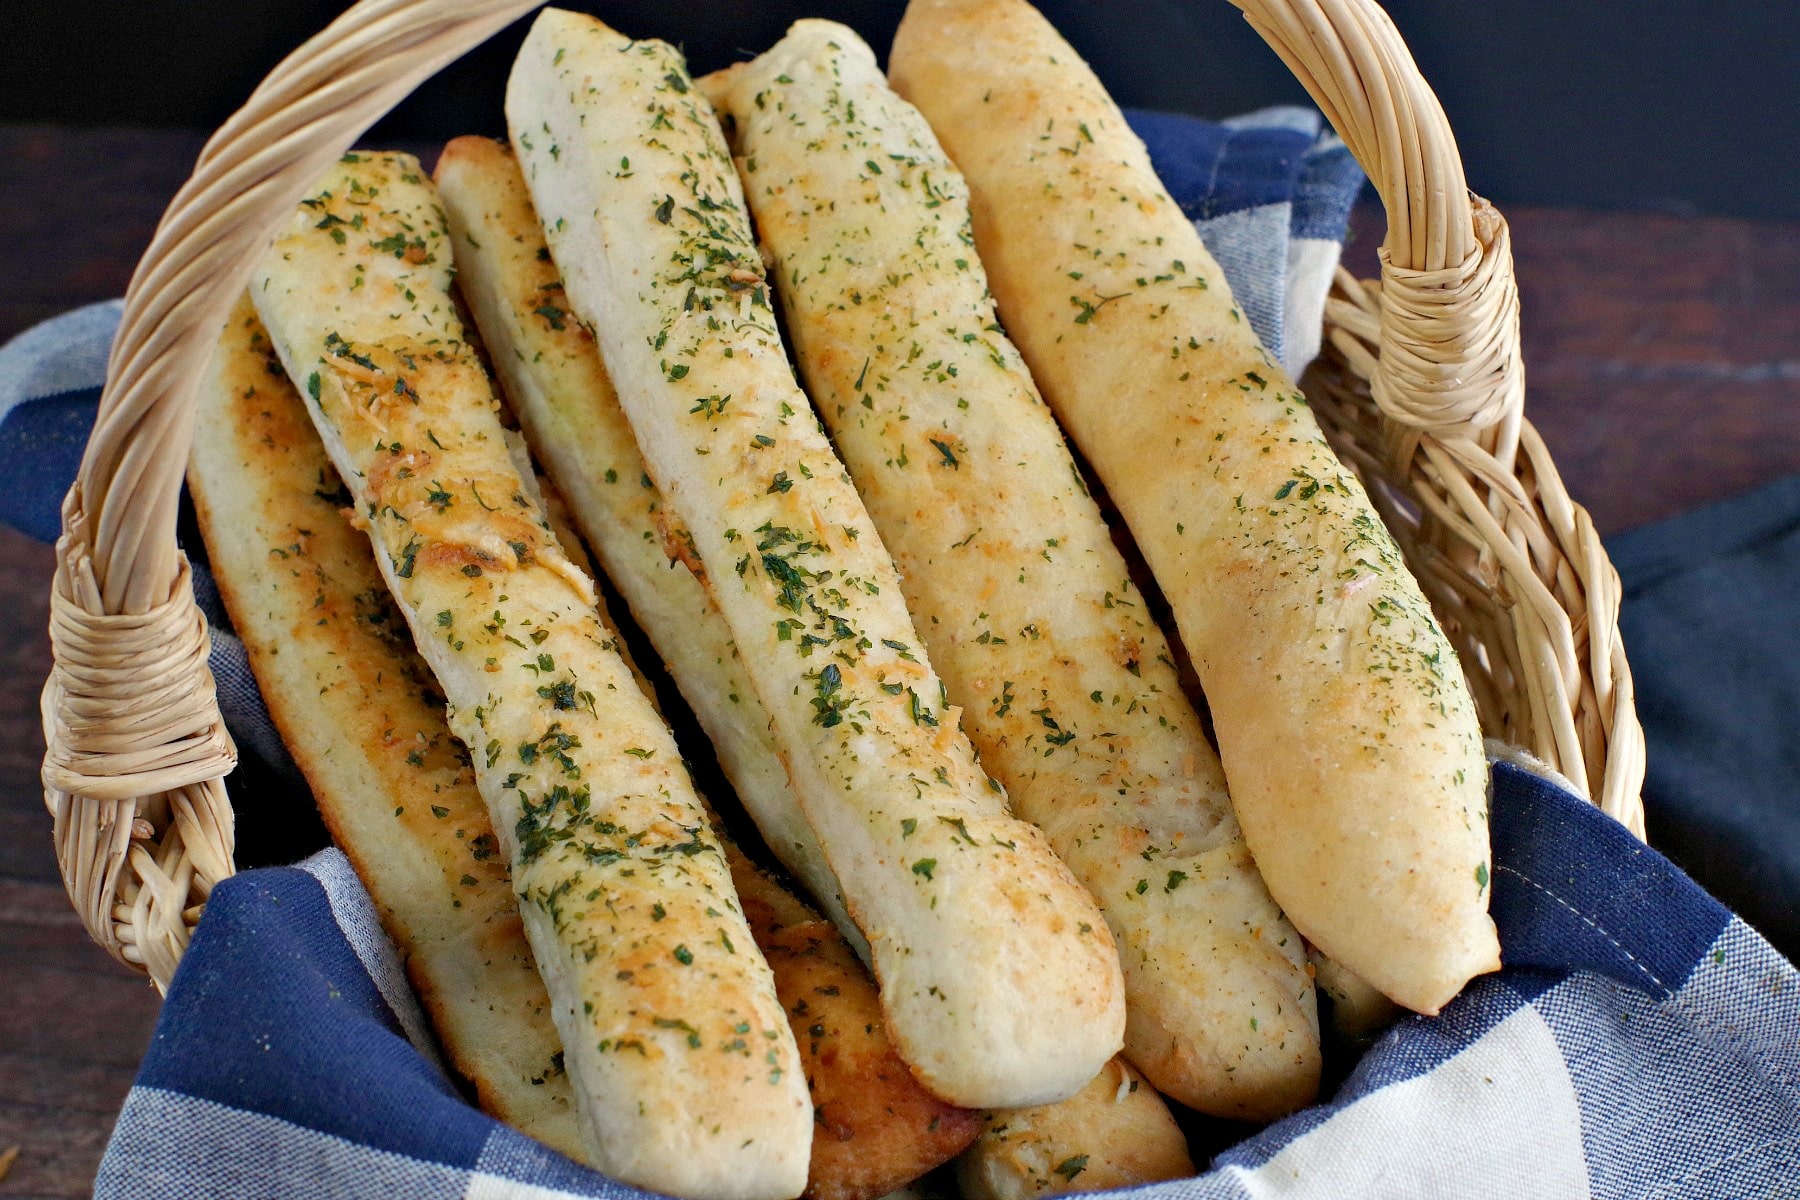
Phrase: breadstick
{"type": "Point", "coordinates": [1359, 1013]}
{"type": "Point", "coordinates": [1027, 608]}
{"type": "Point", "coordinates": [360, 713]}
{"type": "Point", "coordinates": [1347, 732]}
{"type": "Point", "coordinates": [358, 709]}
{"type": "Point", "coordinates": [557, 385]}
{"type": "Point", "coordinates": [1116, 1132]}
{"type": "Point", "coordinates": [675, 1044]}
{"type": "Point", "coordinates": [875, 1127]}
{"type": "Point", "coordinates": [998, 977]}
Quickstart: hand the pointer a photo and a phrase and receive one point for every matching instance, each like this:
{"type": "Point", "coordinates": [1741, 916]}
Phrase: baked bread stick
{"type": "Point", "coordinates": [1359, 1013]}
{"type": "Point", "coordinates": [557, 385]}
{"type": "Point", "coordinates": [1026, 606]}
{"type": "Point", "coordinates": [363, 719]}
{"type": "Point", "coordinates": [326, 641]}
{"type": "Point", "coordinates": [998, 977]}
{"type": "Point", "coordinates": [1116, 1132]}
{"type": "Point", "coordinates": [360, 711]}
{"type": "Point", "coordinates": [875, 1128]}
{"type": "Point", "coordinates": [677, 1050]}
{"type": "Point", "coordinates": [1347, 732]}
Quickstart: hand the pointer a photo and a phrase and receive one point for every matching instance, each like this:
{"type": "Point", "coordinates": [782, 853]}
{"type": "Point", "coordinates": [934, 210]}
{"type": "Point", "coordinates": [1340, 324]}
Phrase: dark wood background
{"type": "Point", "coordinates": [1664, 373]}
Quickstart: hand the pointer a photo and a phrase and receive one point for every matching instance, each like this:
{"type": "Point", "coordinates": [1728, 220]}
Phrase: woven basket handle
{"type": "Point", "coordinates": [1450, 326]}
{"type": "Point", "coordinates": [136, 748]}
{"type": "Point", "coordinates": [137, 752]}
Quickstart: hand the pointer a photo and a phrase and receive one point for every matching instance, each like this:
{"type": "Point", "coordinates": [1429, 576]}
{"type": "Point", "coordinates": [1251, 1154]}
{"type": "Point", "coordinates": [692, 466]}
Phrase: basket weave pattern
{"type": "Point", "coordinates": [1420, 388]}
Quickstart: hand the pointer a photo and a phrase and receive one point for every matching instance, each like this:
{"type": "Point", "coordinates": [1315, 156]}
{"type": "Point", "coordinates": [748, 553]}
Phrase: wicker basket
{"type": "Point", "coordinates": [1420, 387]}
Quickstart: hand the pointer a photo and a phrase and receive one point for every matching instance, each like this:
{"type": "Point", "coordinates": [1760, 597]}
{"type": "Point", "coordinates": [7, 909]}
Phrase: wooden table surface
{"type": "Point", "coordinates": [1664, 372]}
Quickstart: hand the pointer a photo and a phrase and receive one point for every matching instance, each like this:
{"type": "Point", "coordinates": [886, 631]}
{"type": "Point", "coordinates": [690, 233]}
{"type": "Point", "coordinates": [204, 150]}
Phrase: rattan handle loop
{"type": "Point", "coordinates": [1450, 339]}
{"type": "Point", "coordinates": [138, 714]}
{"type": "Point", "coordinates": [136, 749]}
{"type": "Point", "coordinates": [1449, 328]}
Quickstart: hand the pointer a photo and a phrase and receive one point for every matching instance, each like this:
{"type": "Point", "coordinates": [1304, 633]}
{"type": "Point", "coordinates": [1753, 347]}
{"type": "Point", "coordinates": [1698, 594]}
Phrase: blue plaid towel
{"type": "Point", "coordinates": [1640, 1042]}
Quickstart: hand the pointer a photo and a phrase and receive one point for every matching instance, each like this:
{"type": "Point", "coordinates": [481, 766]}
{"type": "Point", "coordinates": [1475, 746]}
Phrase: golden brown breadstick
{"type": "Point", "coordinates": [875, 1128]}
{"type": "Point", "coordinates": [675, 1044]}
{"type": "Point", "coordinates": [1345, 726]}
{"type": "Point", "coordinates": [1115, 1132]}
{"type": "Point", "coordinates": [1066, 684]}
{"type": "Point", "coordinates": [360, 712]}
{"type": "Point", "coordinates": [361, 715]}
{"type": "Point", "coordinates": [1359, 1013]}
{"type": "Point", "coordinates": [558, 386]}
{"type": "Point", "coordinates": [998, 976]}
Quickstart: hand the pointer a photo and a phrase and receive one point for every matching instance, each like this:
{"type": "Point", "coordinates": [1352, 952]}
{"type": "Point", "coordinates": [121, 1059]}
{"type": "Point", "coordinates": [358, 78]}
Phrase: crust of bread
{"type": "Point", "coordinates": [676, 1048]}
{"type": "Point", "coordinates": [998, 977]}
{"type": "Point", "coordinates": [362, 717]}
{"type": "Point", "coordinates": [1114, 1133]}
{"type": "Point", "coordinates": [1359, 1013]}
{"type": "Point", "coordinates": [1066, 684]}
{"type": "Point", "coordinates": [557, 385]}
{"type": "Point", "coordinates": [875, 1128]}
{"type": "Point", "coordinates": [1346, 729]}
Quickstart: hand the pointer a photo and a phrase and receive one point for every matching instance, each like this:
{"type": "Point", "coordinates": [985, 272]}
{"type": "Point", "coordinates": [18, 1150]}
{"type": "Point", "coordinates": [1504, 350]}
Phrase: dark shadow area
{"type": "Point", "coordinates": [1667, 105]}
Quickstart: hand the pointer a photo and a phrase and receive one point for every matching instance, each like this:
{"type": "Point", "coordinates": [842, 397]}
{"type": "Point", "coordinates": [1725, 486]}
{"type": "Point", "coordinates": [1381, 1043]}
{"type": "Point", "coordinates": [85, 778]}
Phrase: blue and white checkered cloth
{"type": "Point", "coordinates": [1640, 1043]}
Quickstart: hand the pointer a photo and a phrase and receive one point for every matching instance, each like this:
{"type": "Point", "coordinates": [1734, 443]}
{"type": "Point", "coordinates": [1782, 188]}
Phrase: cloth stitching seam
{"type": "Point", "coordinates": [1669, 1188]}
{"type": "Point", "coordinates": [1703, 1020]}
{"type": "Point", "coordinates": [1592, 924]}
{"type": "Point", "coordinates": [1212, 180]}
